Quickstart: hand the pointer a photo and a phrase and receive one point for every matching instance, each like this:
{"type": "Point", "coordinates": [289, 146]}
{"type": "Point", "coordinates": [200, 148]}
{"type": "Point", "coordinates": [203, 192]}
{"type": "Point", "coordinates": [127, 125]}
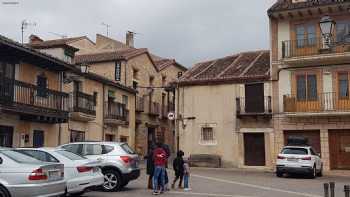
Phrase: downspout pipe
{"type": "Point", "coordinates": [103, 111]}
{"type": "Point", "coordinates": [59, 141]}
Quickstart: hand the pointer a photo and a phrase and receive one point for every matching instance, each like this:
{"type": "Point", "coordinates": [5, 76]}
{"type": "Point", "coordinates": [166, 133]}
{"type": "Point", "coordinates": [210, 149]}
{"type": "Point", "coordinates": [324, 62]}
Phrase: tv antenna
{"type": "Point", "coordinates": [24, 26]}
{"type": "Point", "coordinates": [59, 35]}
{"type": "Point", "coordinates": [107, 27]}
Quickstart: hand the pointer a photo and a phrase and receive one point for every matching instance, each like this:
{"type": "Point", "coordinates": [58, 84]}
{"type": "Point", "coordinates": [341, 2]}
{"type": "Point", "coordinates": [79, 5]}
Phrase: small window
{"type": "Point", "coordinates": [77, 136]}
{"type": "Point", "coordinates": [107, 149]}
{"type": "Point", "coordinates": [92, 149]}
{"type": "Point", "coordinates": [207, 135]}
{"type": "Point", "coordinates": [117, 70]}
{"type": "Point", "coordinates": [123, 139]}
{"type": "Point", "coordinates": [135, 74]}
{"type": "Point", "coordinates": [151, 80]}
{"type": "Point", "coordinates": [134, 84]}
{"type": "Point", "coordinates": [125, 100]}
{"type": "Point", "coordinates": [163, 80]}
{"type": "Point", "coordinates": [95, 98]}
{"type": "Point", "coordinates": [127, 149]}
{"type": "Point", "coordinates": [343, 81]}
{"type": "Point", "coordinates": [41, 81]}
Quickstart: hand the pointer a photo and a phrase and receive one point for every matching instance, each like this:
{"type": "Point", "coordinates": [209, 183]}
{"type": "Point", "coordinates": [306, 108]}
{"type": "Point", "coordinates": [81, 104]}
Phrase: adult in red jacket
{"type": "Point", "coordinates": [160, 160]}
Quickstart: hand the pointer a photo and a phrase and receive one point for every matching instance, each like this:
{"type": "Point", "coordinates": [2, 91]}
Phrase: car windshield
{"type": "Point", "coordinates": [295, 151]}
{"type": "Point", "coordinates": [127, 149]}
{"type": "Point", "coordinates": [19, 157]}
{"type": "Point", "coordinates": [70, 155]}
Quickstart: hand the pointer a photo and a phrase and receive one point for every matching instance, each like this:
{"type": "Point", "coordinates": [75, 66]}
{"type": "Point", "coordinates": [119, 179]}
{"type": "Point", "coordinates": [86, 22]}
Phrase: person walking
{"type": "Point", "coordinates": [150, 167]}
{"type": "Point", "coordinates": [160, 159]}
{"type": "Point", "coordinates": [178, 166]}
{"type": "Point", "coordinates": [186, 175]}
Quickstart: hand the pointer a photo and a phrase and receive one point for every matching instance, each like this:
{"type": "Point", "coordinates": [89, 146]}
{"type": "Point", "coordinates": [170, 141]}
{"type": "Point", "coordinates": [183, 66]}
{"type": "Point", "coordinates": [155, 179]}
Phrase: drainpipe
{"type": "Point", "coordinates": [103, 112]}
{"type": "Point", "coordinates": [177, 120]}
{"type": "Point", "coordinates": [60, 76]}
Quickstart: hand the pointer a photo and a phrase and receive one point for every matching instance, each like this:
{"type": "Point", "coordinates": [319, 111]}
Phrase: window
{"type": "Point", "coordinates": [307, 87]}
{"type": "Point", "coordinates": [109, 138]}
{"type": "Point", "coordinates": [127, 149]}
{"type": "Point", "coordinates": [41, 81]}
{"type": "Point", "coordinates": [123, 139]}
{"type": "Point", "coordinates": [305, 35]}
{"type": "Point", "coordinates": [7, 70]}
{"type": "Point", "coordinates": [295, 151]}
{"type": "Point", "coordinates": [343, 86]}
{"type": "Point", "coordinates": [151, 80]}
{"type": "Point", "coordinates": [19, 157]}
{"type": "Point", "coordinates": [70, 155]}
{"type": "Point", "coordinates": [92, 149]}
{"type": "Point", "coordinates": [207, 135]}
{"type": "Point", "coordinates": [342, 30]}
{"type": "Point", "coordinates": [77, 136]}
{"type": "Point", "coordinates": [134, 84]}
{"type": "Point", "coordinates": [118, 66]}
{"type": "Point", "coordinates": [163, 80]}
{"type": "Point", "coordinates": [74, 148]}
{"type": "Point", "coordinates": [135, 74]}
{"type": "Point", "coordinates": [77, 86]}
{"type": "Point", "coordinates": [95, 98]}
{"type": "Point", "coordinates": [111, 95]}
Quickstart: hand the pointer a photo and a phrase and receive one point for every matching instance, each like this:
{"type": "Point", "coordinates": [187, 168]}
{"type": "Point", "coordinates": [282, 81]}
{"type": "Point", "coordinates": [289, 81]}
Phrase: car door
{"type": "Point", "coordinates": [316, 158]}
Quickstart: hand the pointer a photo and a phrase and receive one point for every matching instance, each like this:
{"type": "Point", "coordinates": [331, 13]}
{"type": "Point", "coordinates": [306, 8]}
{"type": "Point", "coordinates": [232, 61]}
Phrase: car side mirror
{"type": "Point", "coordinates": [319, 154]}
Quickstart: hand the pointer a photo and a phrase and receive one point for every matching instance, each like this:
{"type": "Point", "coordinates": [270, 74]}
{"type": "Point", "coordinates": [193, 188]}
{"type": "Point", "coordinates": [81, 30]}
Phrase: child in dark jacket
{"type": "Point", "coordinates": [178, 165]}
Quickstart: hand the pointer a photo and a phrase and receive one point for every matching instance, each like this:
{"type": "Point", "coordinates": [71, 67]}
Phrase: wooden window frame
{"type": "Point", "coordinates": [306, 42]}
{"type": "Point", "coordinates": [306, 74]}
{"type": "Point", "coordinates": [338, 84]}
{"type": "Point", "coordinates": [206, 141]}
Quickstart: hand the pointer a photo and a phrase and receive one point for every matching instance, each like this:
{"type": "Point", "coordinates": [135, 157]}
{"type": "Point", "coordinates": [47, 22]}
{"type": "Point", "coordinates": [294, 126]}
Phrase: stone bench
{"type": "Point", "coordinates": [205, 160]}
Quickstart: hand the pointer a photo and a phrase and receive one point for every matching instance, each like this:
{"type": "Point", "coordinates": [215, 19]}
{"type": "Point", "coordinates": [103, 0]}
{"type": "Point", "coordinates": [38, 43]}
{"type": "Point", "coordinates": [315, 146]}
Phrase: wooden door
{"type": "Point", "coordinates": [339, 148]}
{"type": "Point", "coordinates": [254, 98]}
{"type": "Point", "coordinates": [6, 82]}
{"type": "Point", "coordinates": [38, 139]}
{"type": "Point", "coordinates": [254, 149]}
{"type": "Point", "coordinates": [313, 138]}
{"type": "Point", "coordinates": [6, 136]}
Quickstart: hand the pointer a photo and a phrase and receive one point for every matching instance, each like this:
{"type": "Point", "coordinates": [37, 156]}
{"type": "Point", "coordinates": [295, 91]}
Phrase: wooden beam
{"type": "Point", "coordinates": [300, 14]}
{"type": "Point", "coordinates": [310, 12]}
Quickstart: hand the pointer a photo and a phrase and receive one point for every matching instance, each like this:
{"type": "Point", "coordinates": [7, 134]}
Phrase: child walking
{"type": "Point", "coordinates": [186, 175]}
{"type": "Point", "coordinates": [178, 165]}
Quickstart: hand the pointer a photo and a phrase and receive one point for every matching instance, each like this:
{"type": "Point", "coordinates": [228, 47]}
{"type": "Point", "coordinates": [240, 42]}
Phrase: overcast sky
{"type": "Point", "coordinates": [188, 30]}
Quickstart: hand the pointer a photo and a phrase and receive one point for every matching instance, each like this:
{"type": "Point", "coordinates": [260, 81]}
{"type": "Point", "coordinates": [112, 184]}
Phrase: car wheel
{"type": "Point", "coordinates": [4, 192]}
{"type": "Point", "coordinates": [113, 181]}
{"type": "Point", "coordinates": [313, 173]}
{"type": "Point", "coordinates": [279, 174]}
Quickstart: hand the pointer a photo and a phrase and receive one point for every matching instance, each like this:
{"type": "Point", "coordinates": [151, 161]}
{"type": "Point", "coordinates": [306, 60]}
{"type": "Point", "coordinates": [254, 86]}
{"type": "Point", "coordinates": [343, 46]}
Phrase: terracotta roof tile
{"type": "Point", "coordinates": [238, 68]}
{"type": "Point", "coordinates": [55, 43]}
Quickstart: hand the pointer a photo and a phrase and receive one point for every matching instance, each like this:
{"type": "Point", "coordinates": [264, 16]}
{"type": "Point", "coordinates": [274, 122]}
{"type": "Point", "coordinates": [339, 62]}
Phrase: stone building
{"type": "Point", "coordinates": [100, 108]}
{"type": "Point", "coordinates": [310, 77]}
{"type": "Point", "coordinates": [224, 110]}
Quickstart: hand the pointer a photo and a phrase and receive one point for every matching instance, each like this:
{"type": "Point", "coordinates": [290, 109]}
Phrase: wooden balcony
{"type": "Point", "coordinates": [314, 51]}
{"type": "Point", "coordinates": [83, 107]}
{"type": "Point", "coordinates": [154, 109]}
{"type": "Point", "coordinates": [325, 104]}
{"type": "Point", "coordinates": [33, 103]}
{"type": "Point", "coordinates": [254, 107]}
{"type": "Point", "coordinates": [140, 104]}
{"type": "Point", "coordinates": [116, 114]}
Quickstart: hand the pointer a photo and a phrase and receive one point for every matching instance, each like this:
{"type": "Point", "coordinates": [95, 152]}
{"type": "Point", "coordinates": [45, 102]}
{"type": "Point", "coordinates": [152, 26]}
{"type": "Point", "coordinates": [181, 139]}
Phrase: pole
{"type": "Point", "coordinates": [332, 186]}
{"type": "Point", "coordinates": [326, 189]}
{"type": "Point", "coordinates": [347, 190]}
{"type": "Point", "coordinates": [22, 29]}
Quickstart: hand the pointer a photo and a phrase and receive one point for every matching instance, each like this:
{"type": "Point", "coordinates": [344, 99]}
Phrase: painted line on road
{"type": "Point", "coordinates": [205, 194]}
{"type": "Point", "coordinates": [256, 186]}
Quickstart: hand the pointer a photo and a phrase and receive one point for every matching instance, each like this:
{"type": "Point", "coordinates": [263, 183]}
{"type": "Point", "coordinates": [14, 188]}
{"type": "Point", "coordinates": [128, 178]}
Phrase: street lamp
{"type": "Point", "coordinates": [84, 68]}
{"type": "Point", "coordinates": [327, 25]}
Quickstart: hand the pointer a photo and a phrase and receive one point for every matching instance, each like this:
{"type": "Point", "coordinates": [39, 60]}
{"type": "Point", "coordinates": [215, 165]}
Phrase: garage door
{"type": "Point", "coordinates": [254, 149]}
{"type": "Point", "coordinates": [312, 136]}
{"type": "Point", "coordinates": [339, 147]}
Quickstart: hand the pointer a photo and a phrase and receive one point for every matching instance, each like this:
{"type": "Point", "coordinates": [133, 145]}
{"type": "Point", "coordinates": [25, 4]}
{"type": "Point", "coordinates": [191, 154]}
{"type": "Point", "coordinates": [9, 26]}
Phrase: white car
{"type": "Point", "coordinates": [299, 160]}
{"type": "Point", "coordinates": [80, 173]}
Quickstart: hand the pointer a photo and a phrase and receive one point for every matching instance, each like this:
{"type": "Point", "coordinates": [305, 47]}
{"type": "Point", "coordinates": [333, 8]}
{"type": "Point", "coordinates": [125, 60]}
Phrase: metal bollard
{"type": "Point", "coordinates": [326, 189]}
{"type": "Point", "coordinates": [331, 187]}
{"type": "Point", "coordinates": [347, 190]}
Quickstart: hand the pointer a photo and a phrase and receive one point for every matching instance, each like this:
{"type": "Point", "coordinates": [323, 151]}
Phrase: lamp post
{"type": "Point", "coordinates": [327, 25]}
{"type": "Point", "coordinates": [84, 68]}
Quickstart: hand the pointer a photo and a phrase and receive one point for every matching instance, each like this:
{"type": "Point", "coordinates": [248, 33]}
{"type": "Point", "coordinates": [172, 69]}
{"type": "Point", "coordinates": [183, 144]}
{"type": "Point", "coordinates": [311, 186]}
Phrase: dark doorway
{"type": "Point", "coordinates": [254, 98]}
{"type": "Point", "coordinates": [38, 139]}
{"type": "Point", "coordinates": [6, 136]}
{"type": "Point", "coordinates": [151, 139]}
{"type": "Point", "coordinates": [254, 149]}
{"type": "Point", "coordinates": [339, 149]}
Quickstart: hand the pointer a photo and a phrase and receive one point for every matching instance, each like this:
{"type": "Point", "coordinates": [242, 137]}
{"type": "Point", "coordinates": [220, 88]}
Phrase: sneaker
{"type": "Point", "coordinates": [156, 193]}
{"type": "Point", "coordinates": [187, 189]}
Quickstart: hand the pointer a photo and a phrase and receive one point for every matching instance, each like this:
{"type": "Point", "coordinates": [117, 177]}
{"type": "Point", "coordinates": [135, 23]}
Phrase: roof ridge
{"type": "Point", "coordinates": [251, 64]}
{"type": "Point", "coordinates": [231, 65]}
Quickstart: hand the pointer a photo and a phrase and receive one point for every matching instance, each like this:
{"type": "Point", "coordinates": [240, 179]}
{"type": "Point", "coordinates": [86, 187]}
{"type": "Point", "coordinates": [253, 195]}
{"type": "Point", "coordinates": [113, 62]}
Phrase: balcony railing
{"type": "Point", "coordinates": [116, 111]}
{"type": "Point", "coordinates": [312, 46]}
{"type": "Point", "coordinates": [254, 106]}
{"type": "Point", "coordinates": [154, 109]}
{"type": "Point", "coordinates": [140, 104]}
{"type": "Point", "coordinates": [84, 103]}
{"type": "Point", "coordinates": [324, 102]}
{"type": "Point", "coordinates": [25, 98]}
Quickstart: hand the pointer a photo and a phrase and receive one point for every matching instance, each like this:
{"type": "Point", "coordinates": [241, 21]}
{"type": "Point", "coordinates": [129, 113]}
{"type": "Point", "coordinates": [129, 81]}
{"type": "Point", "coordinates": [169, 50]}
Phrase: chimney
{"type": "Point", "coordinates": [34, 39]}
{"type": "Point", "coordinates": [130, 39]}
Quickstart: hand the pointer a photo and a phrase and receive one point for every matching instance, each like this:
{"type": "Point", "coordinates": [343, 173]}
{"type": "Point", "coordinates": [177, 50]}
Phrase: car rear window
{"type": "Point", "coordinates": [295, 151]}
{"type": "Point", "coordinates": [19, 157]}
{"type": "Point", "coordinates": [127, 149]}
{"type": "Point", "coordinates": [70, 155]}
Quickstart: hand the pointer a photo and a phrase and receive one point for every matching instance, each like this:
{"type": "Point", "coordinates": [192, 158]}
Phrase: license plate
{"type": "Point", "coordinates": [53, 175]}
{"type": "Point", "coordinates": [292, 159]}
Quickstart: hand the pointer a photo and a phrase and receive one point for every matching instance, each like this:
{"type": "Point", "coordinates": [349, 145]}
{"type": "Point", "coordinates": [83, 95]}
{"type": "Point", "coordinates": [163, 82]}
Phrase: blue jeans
{"type": "Point", "coordinates": [159, 176]}
{"type": "Point", "coordinates": [186, 180]}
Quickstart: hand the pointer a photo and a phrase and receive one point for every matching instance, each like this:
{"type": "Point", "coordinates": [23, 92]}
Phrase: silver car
{"type": "Point", "coordinates": [21, 175]}
{"type": "Point", "coordinates": [80, 173]}
{"type": "Point", "coordinates": [120, 164]}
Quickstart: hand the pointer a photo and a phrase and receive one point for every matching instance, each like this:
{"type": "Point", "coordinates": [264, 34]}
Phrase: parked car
{"type": "Point", "coordinates": [24, 176]}
{"type": "Point", "coordinates": [81, 174]}
{"type": "Point", "coordinates": [120, 164]}
{"type": "Point", "coordinates": [299, 160]}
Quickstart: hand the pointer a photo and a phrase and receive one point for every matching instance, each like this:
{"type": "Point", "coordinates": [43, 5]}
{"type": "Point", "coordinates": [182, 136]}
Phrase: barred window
{"type": "Point", "coordinates": [207, 135]}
